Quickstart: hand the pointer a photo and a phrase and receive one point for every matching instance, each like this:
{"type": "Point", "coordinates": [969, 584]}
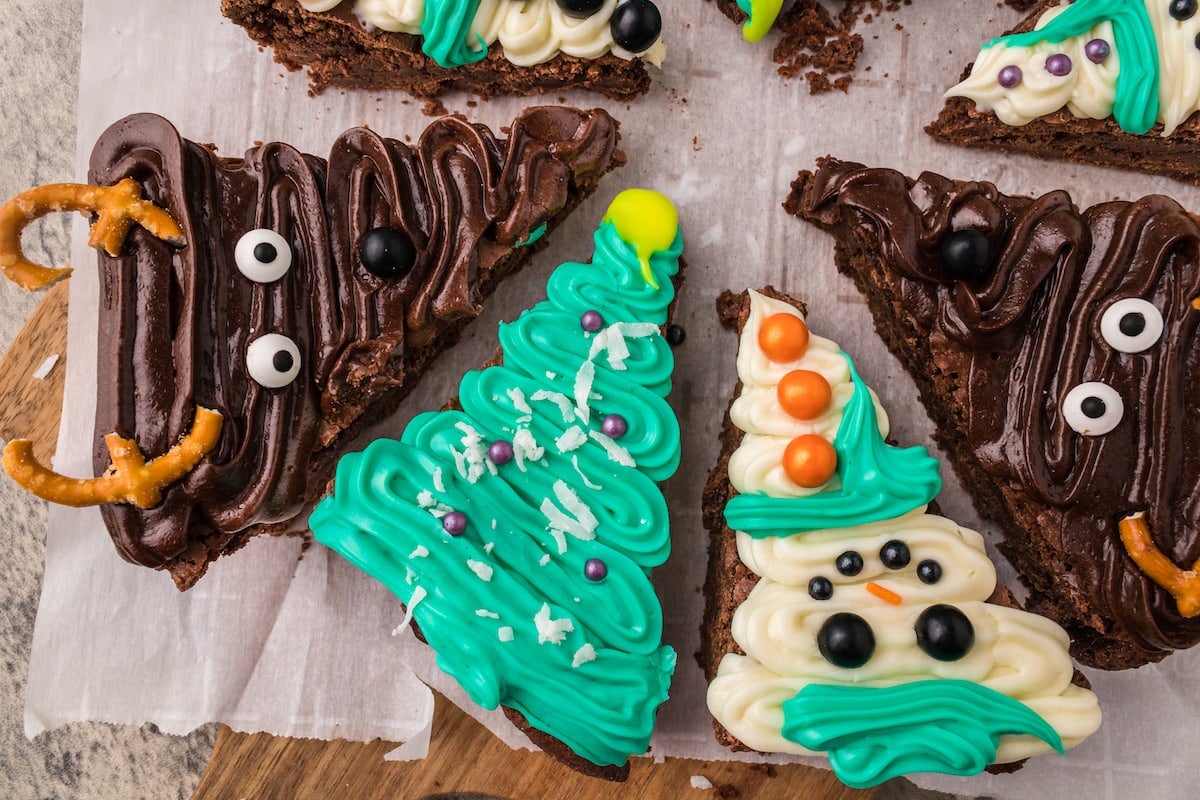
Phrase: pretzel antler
{"type": "Point", "coordinates": [1183, 584]}
{"type": "Point", "coordinates": [119, 206]}
{"type": "Point", "coordinates": [131, 479]}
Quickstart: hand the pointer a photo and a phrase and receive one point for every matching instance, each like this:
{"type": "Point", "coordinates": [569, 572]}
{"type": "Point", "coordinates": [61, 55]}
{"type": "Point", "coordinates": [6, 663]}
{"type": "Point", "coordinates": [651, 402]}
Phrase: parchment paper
{"type": "Point", "coordinates": [296, 642]}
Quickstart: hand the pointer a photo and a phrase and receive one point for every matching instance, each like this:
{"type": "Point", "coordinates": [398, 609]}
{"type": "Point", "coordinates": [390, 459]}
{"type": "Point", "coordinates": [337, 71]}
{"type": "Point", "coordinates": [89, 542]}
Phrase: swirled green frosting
{"type": "Point", "coordinates": [877, 481]}
{"type": "Point", "coordinates": [873, 734]}
{"type": "Point", "coordinates": [760, 16]}
{"type": "Point", "coordinates": [506, 603]}
{"type": "Point", "coordinates": [445, 32]}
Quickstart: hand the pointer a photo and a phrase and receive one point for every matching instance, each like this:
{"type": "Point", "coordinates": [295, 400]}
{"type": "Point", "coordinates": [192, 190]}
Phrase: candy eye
{"type": "Point", "coordinates": [387, 253]}
{"type": "Point", "coordinates": [820, 588]}
{"type": "Point", "coordinates": [1131, 325]}
{"type": "Point", "coordinates": [263, 255]}
{"type": "Point", "coordinates": [273, 360]}
{"type": "Point", "coordinates": [1093, 408]}
{"type": "Point", "coordinates": [895, 554]}
{"type": "Point", "coordinates": [849, 563]}
{"type": "Point", "coordinates": [636, 25]}
{"type": "Point", "coordinates": [929, 571]}
{"type": "Point", "coordinates": [580, 9]}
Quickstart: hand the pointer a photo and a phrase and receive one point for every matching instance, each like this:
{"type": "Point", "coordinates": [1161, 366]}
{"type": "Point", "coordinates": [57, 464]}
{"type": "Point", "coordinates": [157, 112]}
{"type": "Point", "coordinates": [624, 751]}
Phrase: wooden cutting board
{"type": "Point", "coordinates": [463, 757]}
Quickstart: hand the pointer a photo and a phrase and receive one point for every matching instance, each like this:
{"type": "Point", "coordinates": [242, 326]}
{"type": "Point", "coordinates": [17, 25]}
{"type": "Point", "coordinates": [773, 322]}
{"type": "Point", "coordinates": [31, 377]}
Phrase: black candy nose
{"type": "Point", "coordinates": [846, 640]}
{"type": "Point", "coordinates": [945, 633]}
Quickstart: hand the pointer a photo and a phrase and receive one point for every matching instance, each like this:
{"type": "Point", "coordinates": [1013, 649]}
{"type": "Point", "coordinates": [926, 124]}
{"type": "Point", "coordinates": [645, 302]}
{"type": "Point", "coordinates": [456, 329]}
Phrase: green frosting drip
{"type": "Point", "coordinates": [1136, 105]}
{"type": "Point", "coordinates": [533, 236]}
{"type": "Point", "coordinates": [445, 29]}
{"type": "Point", "coordinates": [874, 734]}
{"type": "Point", "coordinates": [878, 481]}
{"type": "Point", "coordinates": [385, 514]}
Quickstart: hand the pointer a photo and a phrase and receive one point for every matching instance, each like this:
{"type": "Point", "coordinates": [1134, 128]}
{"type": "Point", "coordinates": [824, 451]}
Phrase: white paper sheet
{"type": "Point", "coordinates": [298, 643]}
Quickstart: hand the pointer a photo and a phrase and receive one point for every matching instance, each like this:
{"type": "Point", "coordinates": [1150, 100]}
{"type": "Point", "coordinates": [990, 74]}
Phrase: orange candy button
{"type": "Point", "coordinates": [783, 337]}
{"type": "Point", "coordinates": [810, 460]}
{"type": "Point", "coordinates": [804, 394]}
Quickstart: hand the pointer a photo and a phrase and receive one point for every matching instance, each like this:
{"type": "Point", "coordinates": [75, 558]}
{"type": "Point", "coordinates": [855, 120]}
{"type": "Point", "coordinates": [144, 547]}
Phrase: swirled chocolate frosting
{"type": "Point", "coordinates": [177, 327]}
{"type": "Point", "coordinates": [998, 345]}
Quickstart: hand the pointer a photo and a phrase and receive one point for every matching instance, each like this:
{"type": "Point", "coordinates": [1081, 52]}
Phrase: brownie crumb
{"type": "Point", "coordinates": [434, 108]}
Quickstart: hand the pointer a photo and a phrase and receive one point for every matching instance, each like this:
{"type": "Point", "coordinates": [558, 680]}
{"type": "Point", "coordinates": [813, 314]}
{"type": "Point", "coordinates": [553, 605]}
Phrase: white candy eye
{"type": "Point", "coordinates": [1093, 408]}
{"type": "Point", "coordinates": [273, 360]}
{"type": "Point", "coordinates": [262, 255]}
{"type": "Point", "coordinates": [1131, 325]}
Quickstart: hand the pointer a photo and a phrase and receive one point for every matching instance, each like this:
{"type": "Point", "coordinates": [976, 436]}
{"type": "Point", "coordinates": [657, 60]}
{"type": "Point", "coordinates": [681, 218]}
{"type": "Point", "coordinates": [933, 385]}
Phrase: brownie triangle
{"type": "Point", "coordinates": [1054, 348]}
{"type": "Point", "coordinates": [309, 299]}
{"type": "Point", "coordinates": [1090, 81]}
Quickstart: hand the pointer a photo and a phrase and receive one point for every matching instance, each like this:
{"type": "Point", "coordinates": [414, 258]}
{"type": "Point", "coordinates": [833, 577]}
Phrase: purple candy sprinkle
{"type": "Point", "coordinates": [454, 523]}
{"type": "Point", "coordinates": [1097, 50]}
{"type": "Point", "coordinates": [500, 452]}
{"type": "Point", "coordinates": [591, 321]}
{"type": "Point", "coordinates": [1059, 64]}
{"type": "Point", "coordinates": [595, 569]}
{"type": "Point", "coordinates": [1010, 76]}
{"type": "Point", "coordinates": [614, 426]}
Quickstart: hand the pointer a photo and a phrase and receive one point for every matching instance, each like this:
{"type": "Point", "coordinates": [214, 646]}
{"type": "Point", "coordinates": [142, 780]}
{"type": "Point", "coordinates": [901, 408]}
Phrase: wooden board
{"type": "Point", "coordinates": [463, 757]}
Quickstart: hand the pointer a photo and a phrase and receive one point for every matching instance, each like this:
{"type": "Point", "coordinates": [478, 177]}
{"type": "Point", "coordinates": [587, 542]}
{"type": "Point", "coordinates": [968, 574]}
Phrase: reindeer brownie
{"type": "Point", "coordinates": [262, 309]}
{"type": "Point", "coordinates": [1055, 348]}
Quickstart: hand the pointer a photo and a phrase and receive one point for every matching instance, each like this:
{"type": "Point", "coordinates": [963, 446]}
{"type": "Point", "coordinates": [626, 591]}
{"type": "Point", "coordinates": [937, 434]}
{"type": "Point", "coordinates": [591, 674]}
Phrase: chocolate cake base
{"type": "Point", "coordinates": [339, 52]}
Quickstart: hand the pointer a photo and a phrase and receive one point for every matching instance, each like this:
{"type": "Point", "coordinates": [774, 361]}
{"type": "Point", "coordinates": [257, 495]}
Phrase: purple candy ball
{"type": "Point", "coordinates": [1097, 50]}
{"type": "Point", "coordinates": [1059, 64]}
{"type": "Point", "coordinates": [454, 523]}
{"type": "Point", "coordinates": [591, 321]}
{"type": "Point", "coordinates": [500, 452]}
{"type": "Point", "coordinates": [595, 569]}
{"type": "Point", "coordinates": [1010, 76]}
{"type": "Point", "coordinates": [614, 426]}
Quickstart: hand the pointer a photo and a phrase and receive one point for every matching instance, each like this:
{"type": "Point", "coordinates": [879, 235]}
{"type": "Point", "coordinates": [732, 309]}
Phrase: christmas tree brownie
{"type": "Point", "coordinates": [485, 47]}
{"type": "Point", "coordinates": [1054, 348]}
{"type": "Point", "coordinates": [520, 524]}
{"type": "Point", "coordinates": [286, 301]}
{"type": "Point", "coordinates": [843, 616]}
{"type": "Point", "coordinates": [1108, 82]}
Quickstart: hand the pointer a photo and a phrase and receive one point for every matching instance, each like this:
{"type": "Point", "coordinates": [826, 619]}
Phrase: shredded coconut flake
{"type": "Point", "coordinates": [544, 560]}
{"type": "Point", "coordinates": [551, 375]}
{"type": "Point", "coordinates": [417, 596]}
{"type": "Point", "coordinates": [483, 612]}
{"type": "Point", "coordinates": [505, 633]}
{"type": "Point", "coordinates": [572, 438]}
{"type": "Point", "coordinates": [421, 551]}
{"type": "Point", "coordinates": [487, 548]}
{"type": "Point", "coordinates": [583, 655]}
{"type": "Point", "coordinates": [438, 483]}
{"type": "Point", "coordinates": [565, 407]}
{"type": "Point", "coordinates": [42, 371]}
{"type": "Point", "coordinates": [615, 451]}
{"type": "Point", "coordinates": [481, 569]}
{"type": "Point", "coordinates": [550, 630]}
{"type": "Point", "coordinates": [525, 448]}
{"type": "Point", "coordinates": [586, 482]}
{"type": "Point", "coordinates": [701, 782]}
{"type": "Point", "coordinates": [583, 390]}
{"type": "Point", "coordinates": [577, 519]}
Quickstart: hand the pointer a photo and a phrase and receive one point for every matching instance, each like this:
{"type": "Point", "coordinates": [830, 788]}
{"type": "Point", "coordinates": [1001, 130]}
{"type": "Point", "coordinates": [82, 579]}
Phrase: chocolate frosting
{"type": "Point", "coordinates": [1028, 332]}
{"type": "Point", "coordinates": [175, 324]}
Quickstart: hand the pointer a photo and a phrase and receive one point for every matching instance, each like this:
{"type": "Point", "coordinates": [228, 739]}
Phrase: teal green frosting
{"type": "Point", "coordinates": [533, 236]}
{"type": "Point", "coordinates": [874, 734]}
{"type": "Point", "coordinates": [380, 516]}
{"type": "Point", "coordinates": [445, 30]}
{"type": "Point", "coordinates": [1136, 105]}
{"type": "Point", "coordinates": [877, 481]}
{"type": "Point", "coordinates": [747, 6]}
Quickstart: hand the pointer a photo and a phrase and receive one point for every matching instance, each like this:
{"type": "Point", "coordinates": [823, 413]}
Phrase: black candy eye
{"type": "Point", "coordinates": [273, 360]}
{"type": "Point", "coordinates": [820, 588]}
{"type": "Point", "coordinates": [580, 8]}
{"type": "Point", "coordinates": [675, 335]}
{"type": "Point", "coordinates": [895, 554]}
{"type": "Point", "coordinates": [845, 640]}
{"type": "Point", "coordinates": [1182, 9]}
{"type": "Point", "coordinates": [929, 571]}
{"type": "Point", "coordinates": [262, 255]}
{"type": "Point", "coordinates": [966, 255]}
{"type": "Point", "coordinates": [387, 252]}
{"type": "Point", "coordinates": [849, 563]}
{"type": "Point", "coordinates": [944, 632]}
{"type": "Point", "coordinates": [636, 25]}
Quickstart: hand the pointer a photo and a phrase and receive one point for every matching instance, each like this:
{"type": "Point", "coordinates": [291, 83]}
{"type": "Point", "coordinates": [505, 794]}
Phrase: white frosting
{"type": "Point", "coordinates": [1015, 653]}
{"type": "Point", "coordinates": [1088, 90]}
{"type": "Point", "coordinates": [530, 31]}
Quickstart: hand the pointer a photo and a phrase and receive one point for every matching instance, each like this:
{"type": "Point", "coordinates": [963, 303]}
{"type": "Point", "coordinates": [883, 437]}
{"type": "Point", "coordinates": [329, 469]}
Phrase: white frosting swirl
{"type": "Point", "coordinates": [1089, 89]}
{"type": "Point", "coordinates": [1015, 653]}
{"type": "Point", "coordinates": [530, 31]}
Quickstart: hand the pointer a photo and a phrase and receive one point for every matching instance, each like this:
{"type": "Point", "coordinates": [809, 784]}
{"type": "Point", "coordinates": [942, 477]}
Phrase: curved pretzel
{"type": "Point", "coordinates": [119, 206]}
{"type": "Point", "coordinates": [1183, 584]}
{"type": "Point", "coordinates": [130, 479]}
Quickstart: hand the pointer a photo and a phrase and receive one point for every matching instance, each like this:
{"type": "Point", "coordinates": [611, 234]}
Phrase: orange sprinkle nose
{"type": "Point", "coordinates": [810, 460]}
{"type": "Point", "coordinates": [1196, 303]}
{"type": "Point", "coordinates": [783, 337]}
{"type": "Point", "coordinates": [804, 394]}
{"type": "Point", "coordinates": [886, 595]}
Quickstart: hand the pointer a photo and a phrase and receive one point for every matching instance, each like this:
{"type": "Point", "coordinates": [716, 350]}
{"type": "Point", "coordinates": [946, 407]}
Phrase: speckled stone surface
{"type": "Point", "coordinates": [39, 59]}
